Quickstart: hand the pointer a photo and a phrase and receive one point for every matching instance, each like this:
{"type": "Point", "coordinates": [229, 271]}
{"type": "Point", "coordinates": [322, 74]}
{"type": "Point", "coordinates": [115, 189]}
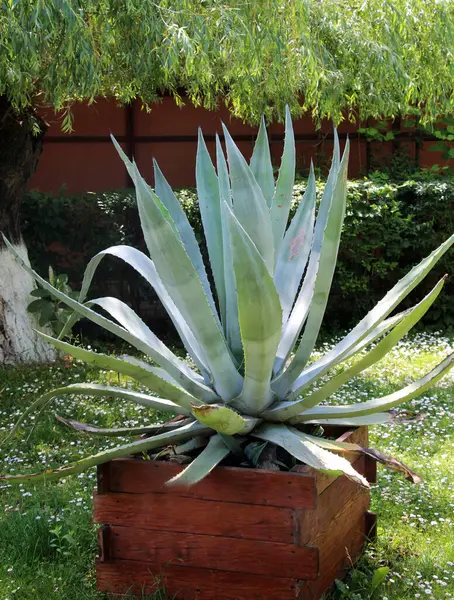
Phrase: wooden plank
{"type": "Point", "coordinates": [371, 526]}
{"type": "Point", "coordinates": [334, 502]}
{"type": "Point", "coordinates": [165, 512]}
{"type": "Point", "coordinates": [370, 472]}
{"type": "Point", "coordinates": [103, 478]}
{"type": "Point", "coordinates": [225, 484]}
{"type": "Point", "coordinates": [213, 552]}
{"type": "Point", "coordinates": [187, 583]}
{"type": "Point", "coordinates": [103, 542]}
{"type": "Point", "coordinates": [338, 552]}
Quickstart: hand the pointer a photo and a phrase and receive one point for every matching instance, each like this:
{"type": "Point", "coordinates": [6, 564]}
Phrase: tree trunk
{"type": "Point", "coordinates": [21, 140]}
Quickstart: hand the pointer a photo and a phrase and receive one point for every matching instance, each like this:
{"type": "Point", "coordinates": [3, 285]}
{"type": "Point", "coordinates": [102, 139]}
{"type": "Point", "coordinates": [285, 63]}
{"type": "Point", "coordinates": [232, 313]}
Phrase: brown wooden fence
{"type": "Point", "coordinates": [86, 160]}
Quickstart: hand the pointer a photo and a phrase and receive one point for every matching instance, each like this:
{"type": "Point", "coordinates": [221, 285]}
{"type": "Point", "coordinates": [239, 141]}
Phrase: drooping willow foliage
{"type": "Point", "coordinates": [375, 57]}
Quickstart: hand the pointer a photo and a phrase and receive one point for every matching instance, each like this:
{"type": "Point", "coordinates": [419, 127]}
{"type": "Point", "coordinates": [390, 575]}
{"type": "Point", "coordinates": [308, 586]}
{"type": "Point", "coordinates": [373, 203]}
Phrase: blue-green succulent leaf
{"type": "Point", "coordinates": [283, 193]}
{"type": "Point", "coordinates": [295, 248]}
{"type": "Point", "coordinates": [260, 318]}
{"type": "Point", "coordinates": [261, 165]}
{"type": "Point", "coordinates": [210, 211]}
{"type": "Point", "coordinates": [182, 283]}
{"type": "Point", "coordinates": [249, 205]}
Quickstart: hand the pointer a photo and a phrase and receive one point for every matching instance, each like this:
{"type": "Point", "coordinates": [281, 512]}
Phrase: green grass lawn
{"type": "Point", "coordinates": [48, 544]}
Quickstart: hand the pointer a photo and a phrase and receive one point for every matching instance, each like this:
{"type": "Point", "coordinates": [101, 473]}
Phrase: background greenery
{"type": "Point", "coordinates": [377, 58]}
{"type": "Point", "coordinates": [388, 227]}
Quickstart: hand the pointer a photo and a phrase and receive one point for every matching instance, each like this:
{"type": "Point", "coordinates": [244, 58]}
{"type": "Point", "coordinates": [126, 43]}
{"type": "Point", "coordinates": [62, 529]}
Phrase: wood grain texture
{"type": "Point", "coordinates": [187, 583]}
{"type": "Point", "coordinates": [337, 499]}
{"type": "Point", "coordinates": [213, 552]}
{"type": "Point", "coordinates": [338, 552]}
{"type": "Point", "coordinates": [162, 512]}
{"type": "Point", "coordinates": [224, 484]}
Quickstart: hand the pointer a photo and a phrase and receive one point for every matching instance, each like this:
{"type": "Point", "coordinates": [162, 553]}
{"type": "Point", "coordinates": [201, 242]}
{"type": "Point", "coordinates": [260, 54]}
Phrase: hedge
{"type": "Point", "coordinates": [388, 228]}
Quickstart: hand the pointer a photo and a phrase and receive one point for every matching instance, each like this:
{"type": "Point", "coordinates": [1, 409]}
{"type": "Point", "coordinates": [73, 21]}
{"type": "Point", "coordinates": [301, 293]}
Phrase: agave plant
{"type": "Point", "coordinates": [254, 381]}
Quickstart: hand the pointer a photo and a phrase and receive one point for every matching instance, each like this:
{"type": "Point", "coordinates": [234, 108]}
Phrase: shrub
{"type": "Point", "coordinates": [388, 226]}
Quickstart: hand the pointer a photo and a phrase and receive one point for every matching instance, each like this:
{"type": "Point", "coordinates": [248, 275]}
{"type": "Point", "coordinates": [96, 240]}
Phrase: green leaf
{"type": "Point", "coordinates": [325, 256]}
{"type": "Point", "coordinates": [150, 376]}
{"type": "Point", "coordinates": [294, 325]}
{"type": "Point", "coordinates": [39, 293]}
{"type": "Point", "coordinates": [203, 464]}
{"type": "Point", "coordinates": [145, 267]}
{"type": "Point", "coordinates": [261, 165]}
{"type": "Point", "coordinates": [295, 248]}
{"type": "Point", "coordinates": [358, 333]}
{"type": "Point", "coordinates": [37, 306]}
{"type": "Point", "coordinates": [260, 318]}
{"type": "Point", "coordinates": [379, 577]}
{"type": "Point", "coordinates": [210, 212]}
{"type": "Point", "coordinates": [186, 233]}
{"type": "Point", "coordinates": [376, 333]}
{"type": "Point", "coordinates": [249, 205]}
{"type": "Point", "coordinates": [182, 283]}
{"type": "Point", "coordinates": [377, 353]}
{"type": "Point", "coordinates": [158, 351]}
{"type": "Point", "coordinates": [119, 431]}
{"type": "Point", "coordinates": [137, 447]}
{"type": "Point", "coordinates": [254, 450]}
{"type": "Point", "coordinates": [348, 448]}
{"type": "Point", "coordinates": [47, 314]}
{"type": "Point", "coordinates": [231, 323]}
{"type": "Point", "coordinates": [222, 419]}
{"type": "Point", "coordinates": [371, 407]}
{"type": "Point", "coordinates": [380, 418]}
{"type": "Point", "coordinates": [284, 186]}
{"type": "Point", "coordinates": [88, 389]}
{"type": "Point", "coordinates": [206, 394]}
{"type": "Point", "coordinates": [307, 452]}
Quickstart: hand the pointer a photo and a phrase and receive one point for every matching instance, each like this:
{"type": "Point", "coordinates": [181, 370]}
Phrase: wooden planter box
{"type": "Point", "coordinates": [240, 534]}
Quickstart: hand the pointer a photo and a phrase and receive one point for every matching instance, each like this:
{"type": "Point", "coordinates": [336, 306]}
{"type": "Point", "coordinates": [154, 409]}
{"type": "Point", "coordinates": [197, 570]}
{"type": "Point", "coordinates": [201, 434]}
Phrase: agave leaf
{"type": "Point", "coordinates": [231, 323]}
{"type": "Point", "coordinates": [358, 333]}
{"type": "Point", "coordinates": [308, 452]}
{"type": "Point", "coordinates": [149, 377]}
{"type": "Point", "coordinates": [186, 233]}
{"type": "Point", "coordinates": [88, 389]}
{"type": "Point", "coordinates": [283, 193]}
{"type": "Point", "coordinates": [223, 175]}
{"type": "Point", "coordinates": [392, 463]}
{"type": "Point", "coordinates": [261, 165]}
{"type": "Point", "coordinates": [294, 250]}
{"type": "Point", "coordinates": [249, 204]}
{"type": "Point", "coordinates": [260, 318]}
{"type": "Point", "coordinates": [145, 267]}
{"type": "Point", "coordinates": [326, 264]}
{"type": "Point", "coordinates": [375, 419]}
{"type": "Point", "coordinates": [371, 407]}
{"type": "Point", "coordinates": [377, 353]}
{"type": "Point", "coordinates": [210, 211]}
{"type": "Point", "coordinates": [119, 431]}
{"type": "Point", "coordinates": [384, 459]}
{"type": "Point", "coordinates": [203, 464]}
{"type": "Point", "coordinates": [376, 333]}
{"type": "Point", "coordinates": [171, 437]}
{"type": "Point", "coordinates": [205, 393]}
{"type": "Point", "coordinates": [223, 419]}
{"type": "Point", "coordinates": [158, 351]}
{"type": "Point", "coordinates": [181, 281]}
{"type": "Point", "coordinates": [303, 302]}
